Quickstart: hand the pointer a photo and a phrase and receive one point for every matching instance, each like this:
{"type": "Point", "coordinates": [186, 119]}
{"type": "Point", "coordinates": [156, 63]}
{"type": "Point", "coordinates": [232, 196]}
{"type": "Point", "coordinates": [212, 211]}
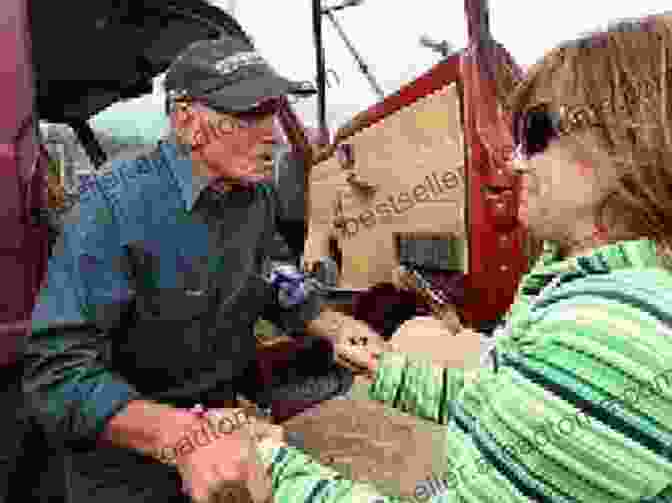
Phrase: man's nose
{"type": "Point", "coordinates": [268, 136]}
{"type": "Point", "coordinates": [267, 132]}
{"type": "Point", "coordinates": [520, 166]}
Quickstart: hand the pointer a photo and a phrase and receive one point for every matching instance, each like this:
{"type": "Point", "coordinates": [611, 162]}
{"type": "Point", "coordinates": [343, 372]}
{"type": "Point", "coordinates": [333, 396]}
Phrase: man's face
{"type": "Point", "coordinates": [235, 149]}
{"type": "Point", "coordinates": [232, 147]}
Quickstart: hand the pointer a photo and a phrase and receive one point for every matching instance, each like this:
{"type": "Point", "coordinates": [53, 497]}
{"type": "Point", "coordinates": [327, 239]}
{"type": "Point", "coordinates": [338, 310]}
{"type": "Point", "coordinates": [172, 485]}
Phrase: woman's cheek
{"type": "Point", "coordinates": [523, 206]}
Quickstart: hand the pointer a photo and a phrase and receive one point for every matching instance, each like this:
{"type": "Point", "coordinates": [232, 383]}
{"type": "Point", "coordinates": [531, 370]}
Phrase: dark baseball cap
{"type": "Point", "coordinates": [229, 75]}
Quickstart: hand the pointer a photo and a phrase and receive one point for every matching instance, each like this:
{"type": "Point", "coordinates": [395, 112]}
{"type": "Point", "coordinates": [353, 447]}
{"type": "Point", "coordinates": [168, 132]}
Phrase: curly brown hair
{"type": "Point", "coordinates": [612, 91]}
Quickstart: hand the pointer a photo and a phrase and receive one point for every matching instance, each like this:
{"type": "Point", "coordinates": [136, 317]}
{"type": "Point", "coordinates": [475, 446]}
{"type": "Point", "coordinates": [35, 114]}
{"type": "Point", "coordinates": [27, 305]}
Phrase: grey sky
{"type": "Point", "coordinates": [386, 33]}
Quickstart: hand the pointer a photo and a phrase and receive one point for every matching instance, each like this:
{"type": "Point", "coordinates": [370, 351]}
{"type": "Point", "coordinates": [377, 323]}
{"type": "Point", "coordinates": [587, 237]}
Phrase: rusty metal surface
{"type": "Point", "coordinates": [369, 442]}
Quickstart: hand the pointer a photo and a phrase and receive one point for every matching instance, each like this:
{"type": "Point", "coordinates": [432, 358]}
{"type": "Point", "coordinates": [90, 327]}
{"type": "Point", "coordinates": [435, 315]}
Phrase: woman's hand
{"type": "Point", "coordinates": [356, 345]}
{"type": "Point", "coordinates": [362, 360]}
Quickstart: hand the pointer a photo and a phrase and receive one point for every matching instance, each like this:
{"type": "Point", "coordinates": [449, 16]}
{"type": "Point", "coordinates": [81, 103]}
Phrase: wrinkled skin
{"type": "Point", "coordinates": [230, 462]}
{"type": "Point", "coordinates": [224, 148]}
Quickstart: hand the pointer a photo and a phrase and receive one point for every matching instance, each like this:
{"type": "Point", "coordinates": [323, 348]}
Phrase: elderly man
{"type": "Point", "coordinates": [155, 287]}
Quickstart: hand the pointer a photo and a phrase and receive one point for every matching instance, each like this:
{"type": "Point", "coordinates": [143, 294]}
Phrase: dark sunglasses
{"type": "Point", "coordinates": [534, 129]}
{"type": "Point", "coordinates": [539, 125]}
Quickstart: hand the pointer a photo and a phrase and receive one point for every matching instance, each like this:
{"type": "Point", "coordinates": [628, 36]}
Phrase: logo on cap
{"type": "Point", "coordinates": [232, 64]}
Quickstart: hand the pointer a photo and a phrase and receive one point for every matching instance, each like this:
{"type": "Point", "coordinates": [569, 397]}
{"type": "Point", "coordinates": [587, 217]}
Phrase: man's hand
{"type": "Point", "coordinates": [209, 456]}
{"type": "Point", "coordinates": [226, 467]}
{"type": "Point", "coordinates": [257, 425]}
{"type": "Point", "coordinates": [211, 470]}
{"type": "Point", "coordinates": [361, 359]}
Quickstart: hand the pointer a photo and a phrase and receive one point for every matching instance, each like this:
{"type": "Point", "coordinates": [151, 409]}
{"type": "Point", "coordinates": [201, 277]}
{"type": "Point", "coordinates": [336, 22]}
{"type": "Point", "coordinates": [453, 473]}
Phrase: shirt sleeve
{"type": "Point", "coordinates": [418, 387]}
{"type": "Point", "coordinates": [86, 294]}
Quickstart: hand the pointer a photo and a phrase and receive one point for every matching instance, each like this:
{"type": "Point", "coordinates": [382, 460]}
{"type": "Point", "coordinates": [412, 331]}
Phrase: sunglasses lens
{"type": "Point", "coordinates": [537, 131]}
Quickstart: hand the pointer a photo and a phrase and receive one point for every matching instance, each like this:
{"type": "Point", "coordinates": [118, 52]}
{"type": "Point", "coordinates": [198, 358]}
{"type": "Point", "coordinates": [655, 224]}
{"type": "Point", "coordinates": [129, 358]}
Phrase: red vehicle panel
{"type": "Point", "coordinates": [23, 245]}
{"type": "Point", "coordinates": [496, 239]}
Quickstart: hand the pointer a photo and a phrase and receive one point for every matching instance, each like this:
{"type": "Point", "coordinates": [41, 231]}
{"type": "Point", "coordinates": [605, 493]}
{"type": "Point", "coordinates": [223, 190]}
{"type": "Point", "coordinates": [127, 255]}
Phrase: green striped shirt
{"type": "Point", "coordinates": [579, 408]}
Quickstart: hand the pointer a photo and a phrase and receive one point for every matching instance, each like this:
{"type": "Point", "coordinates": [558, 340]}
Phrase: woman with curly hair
{"type": "Point", "coordinates": [576, 405]}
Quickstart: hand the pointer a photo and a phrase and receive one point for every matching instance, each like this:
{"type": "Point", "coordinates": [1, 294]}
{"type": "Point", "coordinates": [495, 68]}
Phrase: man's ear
{"type": "Point", "coordinates": [181, 118]}
{"type": "Point", "coordinates": [193, 125]}
{"type": "Point", "coordinates": [184, 116]}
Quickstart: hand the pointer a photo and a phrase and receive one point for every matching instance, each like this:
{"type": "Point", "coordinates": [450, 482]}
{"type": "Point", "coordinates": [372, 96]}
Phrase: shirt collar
{"type": "Point", "coordinates": [191, 186]}
{"type": "Point", "coordinates": [639, 253]}
{"type": "Point", "coordinates": [632, 254]}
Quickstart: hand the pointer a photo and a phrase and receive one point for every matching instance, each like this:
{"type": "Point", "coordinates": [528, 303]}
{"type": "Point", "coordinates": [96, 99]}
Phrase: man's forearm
{"type": "Point", "coordinates": [147, 427]}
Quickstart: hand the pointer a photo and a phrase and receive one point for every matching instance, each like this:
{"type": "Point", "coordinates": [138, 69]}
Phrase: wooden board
{"type": "Point", "coordinates": [369, 442]}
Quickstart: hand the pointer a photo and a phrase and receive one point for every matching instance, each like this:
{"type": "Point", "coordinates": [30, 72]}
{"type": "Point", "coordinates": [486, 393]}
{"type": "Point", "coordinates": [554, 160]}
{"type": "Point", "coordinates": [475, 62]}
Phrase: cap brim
{"type": "Point", "coordinates": [247, 94]}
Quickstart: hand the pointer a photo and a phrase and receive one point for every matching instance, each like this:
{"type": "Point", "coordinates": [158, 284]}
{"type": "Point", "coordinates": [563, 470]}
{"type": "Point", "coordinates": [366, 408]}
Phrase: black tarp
{"type": "Point", "coordinates": [88, 55]}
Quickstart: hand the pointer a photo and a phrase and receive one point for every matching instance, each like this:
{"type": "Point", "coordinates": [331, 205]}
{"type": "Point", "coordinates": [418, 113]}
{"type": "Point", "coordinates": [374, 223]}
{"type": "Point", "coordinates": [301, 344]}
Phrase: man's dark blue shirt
{"type": "Point", "coordinates": [152, 292]}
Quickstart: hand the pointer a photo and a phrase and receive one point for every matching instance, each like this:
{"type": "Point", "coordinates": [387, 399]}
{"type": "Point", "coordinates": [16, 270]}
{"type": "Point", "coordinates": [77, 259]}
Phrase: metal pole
{"type": "Point", "coordinates": [443, 47]}
{"type": "Point", "coordinates": [362, 65]}
{"type": "Point", "coordinates": [321, 73]}
{"type": "Point", "coordinates": [478, 20]}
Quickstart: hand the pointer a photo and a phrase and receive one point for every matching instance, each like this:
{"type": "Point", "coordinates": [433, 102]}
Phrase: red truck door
{"type": "Point", "coordinates": [23, 242]}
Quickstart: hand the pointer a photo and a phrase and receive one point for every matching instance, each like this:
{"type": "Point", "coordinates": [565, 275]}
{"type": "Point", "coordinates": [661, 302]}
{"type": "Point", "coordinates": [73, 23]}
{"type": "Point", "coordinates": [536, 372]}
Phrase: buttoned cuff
{"type": "Point", "coordinates": [106, 400]}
